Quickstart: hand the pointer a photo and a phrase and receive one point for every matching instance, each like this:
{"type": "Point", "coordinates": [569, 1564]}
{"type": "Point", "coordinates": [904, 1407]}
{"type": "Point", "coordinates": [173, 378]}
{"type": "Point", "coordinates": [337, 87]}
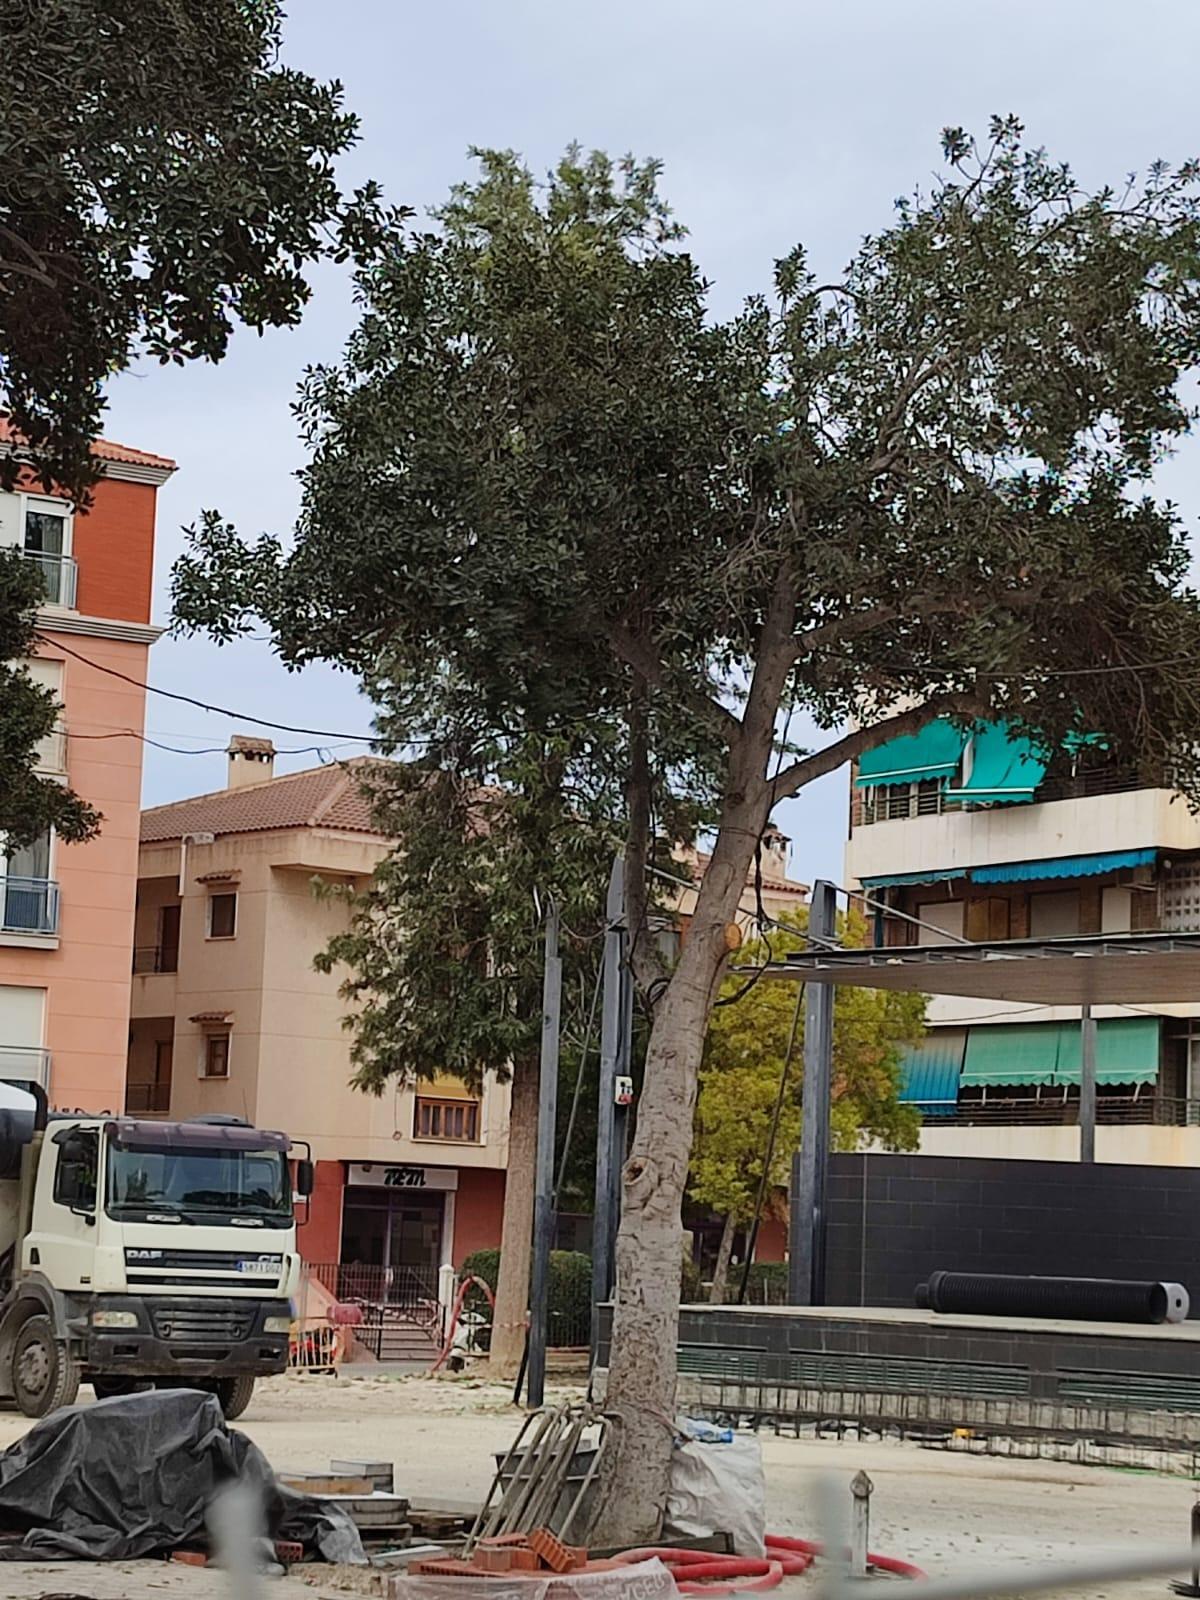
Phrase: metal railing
{"type": "Point", "coordinates": [1047, 1111]}
{"type": "Point", "coordinates": [401, 1287]}
{"type": "Point", "coordinates": [25, 1063]}
{"type": "Point", "coordinates": [907, 802]}
{"type": "Point", "coordinates": [60, 577]}
{"type": "Point", "coordinates": [147, 1099]}
{"type": "Point", "coordinates": [28, 905]}
{"type": "Point", "coordinates": [149, 958]}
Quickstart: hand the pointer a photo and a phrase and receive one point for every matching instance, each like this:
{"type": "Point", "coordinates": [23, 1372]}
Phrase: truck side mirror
{"type": "Point", "coordinates": [304, 1178]}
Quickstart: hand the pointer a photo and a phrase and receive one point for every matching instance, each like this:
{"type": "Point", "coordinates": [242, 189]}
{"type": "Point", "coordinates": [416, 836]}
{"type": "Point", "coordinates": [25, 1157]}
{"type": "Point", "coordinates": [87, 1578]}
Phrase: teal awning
{"type": "Point", "coordinates": [1011, 1053]}
{"type": "Point", "coordinates": [1004, 771]}
{"type": "Point", "coordinates": [1035, 1053]}
{"type": "Point", "coordinates": [1063, 866]}
{"type": "Point", "coordinates": [933, 753]}
{"type": "Point", "coordinates": [929, 1071]}
{"type": "Point", "coordinates": [892, 880]}
{"type": "Point", "coordinates": [1126, 1051]}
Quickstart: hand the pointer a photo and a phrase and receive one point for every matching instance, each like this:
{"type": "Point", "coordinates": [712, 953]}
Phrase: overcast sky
{"type": "Point", "coordinates": [778, 121]}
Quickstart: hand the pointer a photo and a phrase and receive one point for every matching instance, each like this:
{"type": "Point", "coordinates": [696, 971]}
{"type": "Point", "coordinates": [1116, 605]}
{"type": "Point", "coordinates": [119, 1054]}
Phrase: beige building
{"type": "Point", "coordinates": [229, 1015]}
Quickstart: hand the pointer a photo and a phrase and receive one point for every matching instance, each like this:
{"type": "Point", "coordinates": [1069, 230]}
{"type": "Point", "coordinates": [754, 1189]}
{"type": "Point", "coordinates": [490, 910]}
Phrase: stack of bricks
{"type": "Point", "coordinates": [532, 1553]}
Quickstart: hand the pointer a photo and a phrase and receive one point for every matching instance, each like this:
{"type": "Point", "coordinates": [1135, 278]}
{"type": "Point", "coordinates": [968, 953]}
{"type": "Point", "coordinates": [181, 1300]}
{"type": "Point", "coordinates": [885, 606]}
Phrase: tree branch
{"type": "Point", "coordinates": [639, 654]}
{"type": "Point", "coordinates": [794, 778]}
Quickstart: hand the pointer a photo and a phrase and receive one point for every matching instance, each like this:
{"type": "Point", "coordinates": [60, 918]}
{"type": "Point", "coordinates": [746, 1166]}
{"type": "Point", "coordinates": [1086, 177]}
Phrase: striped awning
{"type": "Point", "coordinates": [1063, 867]}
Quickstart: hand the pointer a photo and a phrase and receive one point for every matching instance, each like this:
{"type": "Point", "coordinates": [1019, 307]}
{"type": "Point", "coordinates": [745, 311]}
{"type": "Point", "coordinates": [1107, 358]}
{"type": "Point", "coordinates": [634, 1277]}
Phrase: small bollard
{"type": "Point", "coordinates": [860, 1525]}
{"type": "Point", "coordinates": [1178, 1585]}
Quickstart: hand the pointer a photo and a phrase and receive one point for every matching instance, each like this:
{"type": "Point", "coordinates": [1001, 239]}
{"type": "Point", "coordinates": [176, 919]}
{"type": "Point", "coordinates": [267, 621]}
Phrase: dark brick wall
{"type": "Point", "coordinates": [895, 1219]}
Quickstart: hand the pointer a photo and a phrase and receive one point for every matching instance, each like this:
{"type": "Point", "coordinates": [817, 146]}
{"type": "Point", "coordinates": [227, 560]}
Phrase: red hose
{"type": "Point", "coordinates": [463, 1290]}
{"type": "Point", "coordinates": [702, 1572]}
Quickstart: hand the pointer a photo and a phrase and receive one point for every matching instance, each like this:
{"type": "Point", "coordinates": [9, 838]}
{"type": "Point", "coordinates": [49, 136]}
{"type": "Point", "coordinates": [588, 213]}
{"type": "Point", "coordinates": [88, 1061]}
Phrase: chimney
{"type": "Point", "coordinates": [250, 761]}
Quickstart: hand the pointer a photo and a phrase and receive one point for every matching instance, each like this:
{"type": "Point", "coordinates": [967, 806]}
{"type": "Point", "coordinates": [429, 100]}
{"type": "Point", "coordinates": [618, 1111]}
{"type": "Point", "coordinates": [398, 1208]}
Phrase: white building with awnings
{"type": "Point", "coordinates": [977, 837]}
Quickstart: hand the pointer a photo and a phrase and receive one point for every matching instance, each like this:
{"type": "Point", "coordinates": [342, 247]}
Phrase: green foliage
{"type": "Point", "coordinates": [743, 1059]}
{"type": "Point", "coordinates": [162, 177]}
{"type": "Point", "coordinates": [767, 1283]}
{"type": "Point", "coordinates": [569, 1298]}
{"type": "Point", "coordinates": [29, 804]}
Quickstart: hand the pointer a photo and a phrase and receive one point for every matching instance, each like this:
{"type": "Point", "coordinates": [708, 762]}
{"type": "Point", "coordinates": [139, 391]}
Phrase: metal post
{"type": "Point", "coordinates": [620, 1113]}
{"type": "Point", "coordinates": [543, 1203]}
{"type": "Point", "coordinates": [1087, 1086]}
{"type": "Point", "coordinates": [810, 1170]}
{"type": "Point", "coordinates": [610, 1050]}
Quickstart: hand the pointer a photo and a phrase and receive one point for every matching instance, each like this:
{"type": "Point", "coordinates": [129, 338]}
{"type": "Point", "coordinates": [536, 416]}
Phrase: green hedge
{"type": "Point", "coordinates": [570, 1300]}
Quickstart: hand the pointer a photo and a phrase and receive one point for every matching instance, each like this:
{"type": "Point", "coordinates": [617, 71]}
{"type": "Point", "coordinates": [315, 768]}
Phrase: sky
{"type": "Point", "coordinates": [777, 123]}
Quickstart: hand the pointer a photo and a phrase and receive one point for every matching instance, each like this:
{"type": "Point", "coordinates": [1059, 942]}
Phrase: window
{"type": "Point", "coordinates": [168, 939]}
{"type": "Point", "coordinates": [1054, 916]}
{"type": "Point", "coordinates": [216, 1055]}
{"type": "Point", "coordinates": [52, 750]}
{"type": "Point", "coordinates": [456, 1121]}
{"type": "Point", "coordinates": [222, 916]}
{"type": "Point", "coordinates": [28, 898]}
{"type": "Point", "coordinates": [78, 1161]}
{"type": "Point", "coordinates": [47, 527]}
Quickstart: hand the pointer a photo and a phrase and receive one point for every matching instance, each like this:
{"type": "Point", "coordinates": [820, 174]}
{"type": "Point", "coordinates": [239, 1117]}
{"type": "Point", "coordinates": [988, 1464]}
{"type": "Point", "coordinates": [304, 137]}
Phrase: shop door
{"type": "Point", "coordinates": [415, 1244]}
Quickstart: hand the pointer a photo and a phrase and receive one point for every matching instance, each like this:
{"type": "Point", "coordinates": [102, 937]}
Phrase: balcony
{"type": "Point", "coordinates": [28, 905]}
{"type": "Point", "coordinates": [60, 575]}
{"type": "Point", "coordinates": [25, 1064]}
{"type": "Point", "coordinates": [150, 958]}
{"type": "Point", "coordinates": [147, 1099]}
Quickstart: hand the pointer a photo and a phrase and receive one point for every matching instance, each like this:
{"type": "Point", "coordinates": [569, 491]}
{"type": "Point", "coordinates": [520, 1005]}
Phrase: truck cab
{"type": "Point", "coordinates": [137, 1253]}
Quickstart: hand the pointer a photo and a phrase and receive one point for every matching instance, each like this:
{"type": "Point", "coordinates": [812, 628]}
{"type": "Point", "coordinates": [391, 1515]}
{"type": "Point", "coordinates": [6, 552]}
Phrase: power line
{"type": "Point", "coordinates": [202, 705]}
{"type": "Point", "coordinates": [207, 750]}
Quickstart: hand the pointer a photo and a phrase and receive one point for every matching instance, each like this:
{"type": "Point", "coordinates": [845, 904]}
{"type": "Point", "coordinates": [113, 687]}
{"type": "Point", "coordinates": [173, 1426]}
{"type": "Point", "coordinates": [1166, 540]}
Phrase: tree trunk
{"type": "Point", "coordinates": [641, 1381]}
{"type": "Point", "coordinates": [516, 1236]}
{"type": "Point", "coordinates": [716, 1295]}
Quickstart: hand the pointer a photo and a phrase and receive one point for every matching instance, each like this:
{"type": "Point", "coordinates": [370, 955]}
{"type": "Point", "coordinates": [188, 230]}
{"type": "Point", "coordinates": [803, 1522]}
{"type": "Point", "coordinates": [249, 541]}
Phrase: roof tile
{"type": "Point", "coordinates": [327, 797]}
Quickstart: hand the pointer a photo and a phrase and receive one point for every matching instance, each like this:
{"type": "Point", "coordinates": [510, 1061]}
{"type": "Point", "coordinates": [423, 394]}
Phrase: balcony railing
{"type": "Point", "coordinates": [905, 802]}
{"type": "Point", "coordinates": [25, 1063]}
{"type": "Point", "coordinates": [1149, 1111]}
{"type": "Point", "coordinates": [60, 575]}
{"type": "Point", "coordinates": [149, 958]}
{"type": "Point", "coordinates": [28, 905]}
{"type": "Point", "coordinates": [147, 1099]}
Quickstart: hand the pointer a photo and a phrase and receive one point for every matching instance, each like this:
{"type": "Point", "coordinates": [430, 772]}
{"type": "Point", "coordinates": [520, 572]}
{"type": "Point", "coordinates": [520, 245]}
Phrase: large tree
{"type": "Point", "coordinates": [162, 177]}
{"type": "Point", "coordinates": [917, 490]}
{"type": "Point", "coordinates": [750, 1033]}
{"type": "Point", "coordinates": [29, 803]}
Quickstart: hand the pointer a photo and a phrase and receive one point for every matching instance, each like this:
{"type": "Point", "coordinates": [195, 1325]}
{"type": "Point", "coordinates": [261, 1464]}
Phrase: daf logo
{"type": "Point", "coordinates": [143, 1255]}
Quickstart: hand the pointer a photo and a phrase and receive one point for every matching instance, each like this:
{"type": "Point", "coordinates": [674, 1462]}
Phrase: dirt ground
{"type": "Point", "coordinates": [949, 1513]}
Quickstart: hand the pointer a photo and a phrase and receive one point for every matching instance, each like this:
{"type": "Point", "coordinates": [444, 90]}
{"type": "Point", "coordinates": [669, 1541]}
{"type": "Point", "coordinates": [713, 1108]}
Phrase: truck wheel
{"type": "Point", "coordinates": [235, 1395]}
{"type": "Point", "coordinates": [45, 1373]}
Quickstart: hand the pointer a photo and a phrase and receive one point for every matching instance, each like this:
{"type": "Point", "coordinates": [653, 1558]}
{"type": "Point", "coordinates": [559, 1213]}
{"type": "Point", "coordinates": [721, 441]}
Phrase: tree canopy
{"type": "Point", "coordinates": [29, 803]}
{"type": "Point", "coordinates": [162, 177]}
{"type": "Point", "coordinates": [919, 489]}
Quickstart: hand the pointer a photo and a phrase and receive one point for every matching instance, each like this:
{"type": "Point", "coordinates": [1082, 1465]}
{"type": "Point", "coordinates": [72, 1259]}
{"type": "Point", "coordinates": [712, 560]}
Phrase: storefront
{"type": "Point", "coordinates": [399, 1218]}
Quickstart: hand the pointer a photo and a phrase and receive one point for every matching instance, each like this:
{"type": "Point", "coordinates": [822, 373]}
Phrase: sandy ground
{"type": "Point", "coordinates": [948, 1513]}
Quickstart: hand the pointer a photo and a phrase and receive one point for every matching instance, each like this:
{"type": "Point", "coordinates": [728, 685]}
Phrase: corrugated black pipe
{"type": "Point", "coordinates": [1082, 1299]}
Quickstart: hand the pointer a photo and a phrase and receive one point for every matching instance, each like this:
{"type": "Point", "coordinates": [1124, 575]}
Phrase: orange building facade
{"type": "Point", "coordinates": [66, 911]}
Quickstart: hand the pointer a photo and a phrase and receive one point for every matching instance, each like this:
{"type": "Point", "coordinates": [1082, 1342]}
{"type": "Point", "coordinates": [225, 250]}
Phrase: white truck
{"type": "Point", "coordinates": [137, 1253]}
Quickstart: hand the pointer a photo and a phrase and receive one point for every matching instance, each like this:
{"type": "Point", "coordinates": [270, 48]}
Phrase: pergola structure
{"type": "Point", "coordinates": [1136, 969]}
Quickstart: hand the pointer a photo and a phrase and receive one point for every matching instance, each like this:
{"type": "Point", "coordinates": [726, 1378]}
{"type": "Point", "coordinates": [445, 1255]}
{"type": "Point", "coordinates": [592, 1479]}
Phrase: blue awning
{"type": "Point", "coordinates": [892, 880]}
{"type": "Point", "coordinates": [1004, 771]}
{"type": "Point", "coordinates": [929, 1071]}
{"type": "Point", "coordinates": [1063, 867]}
{"type": "Point", "coordinates": [934, 752]}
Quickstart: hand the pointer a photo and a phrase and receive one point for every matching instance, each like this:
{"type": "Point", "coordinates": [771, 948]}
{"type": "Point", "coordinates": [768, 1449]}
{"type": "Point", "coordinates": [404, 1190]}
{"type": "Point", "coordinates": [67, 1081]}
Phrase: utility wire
{"type": "Point", "coordinates": [221, 711]}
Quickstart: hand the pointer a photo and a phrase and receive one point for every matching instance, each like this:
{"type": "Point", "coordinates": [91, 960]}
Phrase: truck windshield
{"type": "Point", "coordinates": [200, 1185]}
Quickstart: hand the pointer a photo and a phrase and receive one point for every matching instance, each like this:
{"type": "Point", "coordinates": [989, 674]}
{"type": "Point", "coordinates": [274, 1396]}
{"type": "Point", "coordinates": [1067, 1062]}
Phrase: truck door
{"type": "Point", "coordinates": [62, 1240]}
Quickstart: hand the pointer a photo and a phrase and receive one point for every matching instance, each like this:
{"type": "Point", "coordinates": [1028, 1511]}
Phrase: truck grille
{"type": "Point", "coordinates": [201, 1324]}
{"type": "Point", "coordinates": [249, 1269]}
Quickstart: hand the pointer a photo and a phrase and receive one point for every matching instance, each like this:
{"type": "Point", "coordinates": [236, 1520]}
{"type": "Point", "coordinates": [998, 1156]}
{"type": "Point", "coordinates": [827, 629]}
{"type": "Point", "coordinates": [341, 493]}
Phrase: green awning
{"type": "Point", "coordinates": [933, 753]}
{"type": "Point", "coordinates": [1011, 1053]}
{"type": "Point", "coordinates": [1126, 1051]}
{"type": "Point", "coordinates": [1004, 771]}
{"type": "Point", "coordinates": [1050, 1052]}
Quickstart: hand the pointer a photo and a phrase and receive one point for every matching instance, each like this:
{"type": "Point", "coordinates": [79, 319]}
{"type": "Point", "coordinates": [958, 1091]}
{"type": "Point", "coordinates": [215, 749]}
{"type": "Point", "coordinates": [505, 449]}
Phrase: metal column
{"type": "Point", "coordinates": [1087, 1085]}
{"type": "Point", "coordinates": [810, 1167]}
{"type": "Point", "coordinates": [543, 1202]}
{"type": "Point", "coordinates": [611, 1018]}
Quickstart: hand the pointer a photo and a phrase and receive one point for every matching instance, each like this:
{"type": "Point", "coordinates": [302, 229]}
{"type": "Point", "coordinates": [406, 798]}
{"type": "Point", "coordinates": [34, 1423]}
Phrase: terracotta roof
{"type": "Point", "coordinates": [106, 449]}
{"type": "Point", "coordinates": [318, 797]}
